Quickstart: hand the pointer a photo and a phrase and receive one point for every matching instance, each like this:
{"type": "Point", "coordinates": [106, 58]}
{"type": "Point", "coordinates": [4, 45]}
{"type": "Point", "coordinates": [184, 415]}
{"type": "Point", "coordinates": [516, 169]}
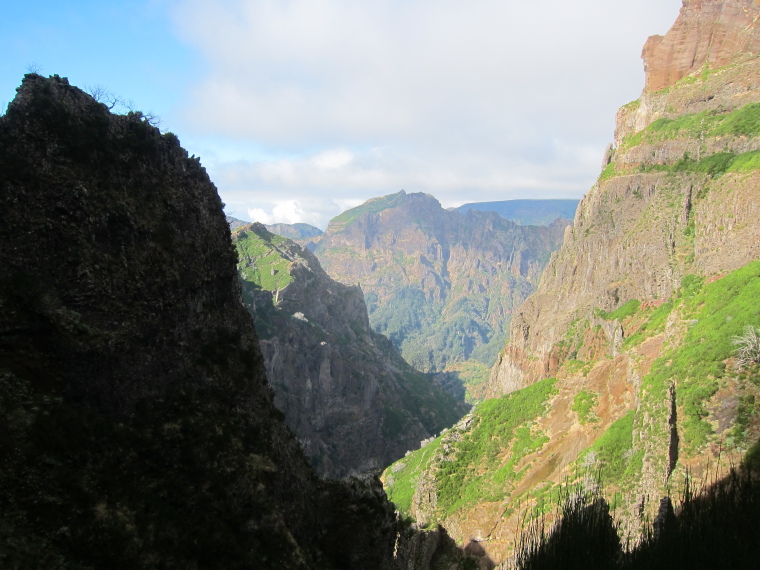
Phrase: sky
{"type": "Point", "coordinates": [301, 109]}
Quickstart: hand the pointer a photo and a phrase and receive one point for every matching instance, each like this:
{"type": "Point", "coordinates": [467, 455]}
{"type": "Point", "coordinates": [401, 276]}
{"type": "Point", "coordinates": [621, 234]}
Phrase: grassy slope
{"type": "Point", "coordinates": [483, 465]}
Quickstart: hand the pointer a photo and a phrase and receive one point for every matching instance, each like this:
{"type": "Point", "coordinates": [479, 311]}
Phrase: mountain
{"type": "Point", "coordinates": [294, 231]}
{"type": "Point", "coordinates": [235, 223]}
{"type": "Point", "coordinates": [527, 212]}
{"type": "Point", "coordinates": [137, 428]}
{"type": "Point", "coordinates": [346, 392]}
{"type": "Point", "coordinates": [441, 285]}
{"type": "Point", "coordinates": [624, 372]}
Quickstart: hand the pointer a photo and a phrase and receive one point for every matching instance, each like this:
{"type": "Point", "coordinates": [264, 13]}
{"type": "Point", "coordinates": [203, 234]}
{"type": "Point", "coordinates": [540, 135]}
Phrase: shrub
{"type": "Point", "coordinates": [747, 347]}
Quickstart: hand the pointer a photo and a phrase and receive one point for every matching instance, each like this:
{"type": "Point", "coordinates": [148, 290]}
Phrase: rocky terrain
{"type": "Point", "coordinates": [621, 369]}
{"type": "Point", "coordinates": [137, 428]}
{"type": "Point", "coordinates": [346, 392]}
{"type": "Point", "coordinates": [527, 212]}
{"type": "Point", "coordinates": [441, 285]}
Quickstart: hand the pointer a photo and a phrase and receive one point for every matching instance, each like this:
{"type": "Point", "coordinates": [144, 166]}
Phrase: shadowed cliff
{"type": "Point", "coordinates": [137, 428]}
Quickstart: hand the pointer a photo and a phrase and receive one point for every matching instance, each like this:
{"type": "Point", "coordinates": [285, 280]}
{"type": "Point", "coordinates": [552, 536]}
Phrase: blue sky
{"type": "Point", "coordinates": [300, 109]}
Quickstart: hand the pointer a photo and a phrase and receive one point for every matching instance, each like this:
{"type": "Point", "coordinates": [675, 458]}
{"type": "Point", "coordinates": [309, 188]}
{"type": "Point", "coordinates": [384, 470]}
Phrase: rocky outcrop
{"type": "Point", "coordinates": [707, 34]}
{"type": "Point", "coordinates": [137, 429]}
{"type": "Point", "coordinates": [441, 285]}
{"type": "Point", "coordinates": [346, 392]}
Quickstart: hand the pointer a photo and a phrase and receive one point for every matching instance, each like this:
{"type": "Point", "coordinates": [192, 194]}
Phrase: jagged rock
{"type": "Point", "coordinates": [708, 34]}
{"type": "Point", "coordinates": [348, 395]}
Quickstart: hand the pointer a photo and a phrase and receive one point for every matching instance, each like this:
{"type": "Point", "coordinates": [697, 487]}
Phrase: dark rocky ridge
{"type": "Point", "coordinates": [346, 392]}
{"type": "Point", "coordinates": [137, 429]}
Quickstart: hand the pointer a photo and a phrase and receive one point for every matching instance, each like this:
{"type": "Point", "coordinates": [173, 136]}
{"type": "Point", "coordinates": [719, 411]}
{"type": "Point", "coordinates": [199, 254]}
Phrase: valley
{"type": "Point", "coordinates": [414, 387]}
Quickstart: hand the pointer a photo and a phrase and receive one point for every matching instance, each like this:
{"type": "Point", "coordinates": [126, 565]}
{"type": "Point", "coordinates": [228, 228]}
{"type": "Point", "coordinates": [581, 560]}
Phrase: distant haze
{"type": "Point", "coordinates": [527, 212]}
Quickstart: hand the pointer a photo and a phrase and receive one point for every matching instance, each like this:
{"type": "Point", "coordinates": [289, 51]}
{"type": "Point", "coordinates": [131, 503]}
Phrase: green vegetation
{"type": "Point", "coordinates": [608, 172]}
{"type": "Point", "coordinates": [717, 312]}
{"type": "Point", "coordinates": [261, 261]}
{"type": "Point", "coordinates": [372, 206]}
{"type": "Point", "coordinates": [475, 468]}
{"type": "Point", "coordinates": [402, 477]}
{"type": "Point", "coordinates": [431, 335]}
{"type": "Point", "coordinates": [655, 324]}
{"type": "Point", "coordinates": [745, 162]}
{"type": "Point", "coordinates": [584, 404]}
{"type": "Point", "coordinates": [612, 450]}
{"type": "Point", "coordinates": [481, 464]}
{"type": "Point", "coordinates": [741, 122]}
{"type": "Point", "coordinates": [621, 313]}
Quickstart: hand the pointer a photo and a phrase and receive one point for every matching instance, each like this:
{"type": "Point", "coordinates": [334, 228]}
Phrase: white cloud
{"type": "Point", "coordinates": [472, 100]}
{"type": "Point", "coordinates": [283, 211]}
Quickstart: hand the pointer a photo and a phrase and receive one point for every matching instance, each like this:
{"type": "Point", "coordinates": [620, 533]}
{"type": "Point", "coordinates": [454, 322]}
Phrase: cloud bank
{"type": "Point", "coordinates": [343, 100]}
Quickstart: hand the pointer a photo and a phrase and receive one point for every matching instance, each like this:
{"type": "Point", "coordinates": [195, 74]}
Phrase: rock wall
{"type": "Point", "coordinates": [631, 236]}
{"type": "Point", "coordinates": [707, 34]}
{"type": "Point", "coordinates": [346, 392]}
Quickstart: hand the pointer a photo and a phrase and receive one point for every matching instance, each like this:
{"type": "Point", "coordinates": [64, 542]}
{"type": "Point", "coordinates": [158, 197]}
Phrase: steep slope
{"type": "Point", "coordinates": [527, 212]}
{"type": "Point", "coordinates": [137, 429]}
{"type": "Point", "coordinates": [441, 285]}
{"type": "Point", "coordinates": [351, 399]}
{"type": "Point", "coordinates": [622, 365]}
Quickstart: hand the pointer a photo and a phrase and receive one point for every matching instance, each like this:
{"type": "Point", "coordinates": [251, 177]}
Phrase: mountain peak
{"type": "Point", "coordinates": [707, 33]}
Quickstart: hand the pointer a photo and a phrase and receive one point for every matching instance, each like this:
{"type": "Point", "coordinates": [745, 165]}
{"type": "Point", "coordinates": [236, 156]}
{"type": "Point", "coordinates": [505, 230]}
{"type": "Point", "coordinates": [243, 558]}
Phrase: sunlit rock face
{"type": "Point", "coordinates": [707, 34]}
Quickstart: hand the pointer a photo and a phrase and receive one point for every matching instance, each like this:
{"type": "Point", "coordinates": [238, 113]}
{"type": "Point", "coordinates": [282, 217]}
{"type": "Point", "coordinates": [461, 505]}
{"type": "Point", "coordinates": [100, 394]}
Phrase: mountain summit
{"type": "Point", "coordinates": [440, 284]}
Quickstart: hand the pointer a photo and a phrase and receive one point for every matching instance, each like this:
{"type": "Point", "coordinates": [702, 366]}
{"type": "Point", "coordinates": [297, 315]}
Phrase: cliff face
{"type": "Point", "coordinates": [622, 365]}
{"type": "Point", "coordinates": [351, 399]}
{"type": "Point", "coordinates": [137, 429]}
{"type": "Point", "coordinates": [708, 34]}
{"type": "Point", "coordinates": [678, 195]}
{"type": "Point", "coordinates": [441, 285]}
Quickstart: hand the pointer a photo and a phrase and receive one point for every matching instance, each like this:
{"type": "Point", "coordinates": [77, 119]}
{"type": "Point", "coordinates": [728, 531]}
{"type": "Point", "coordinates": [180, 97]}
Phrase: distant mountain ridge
{"type": "Point", "coordinates": [527, 212]}
{"type": "Point", "coordinates": [295, 232]}
{"type": "Point", "coordinates": [441, 285]}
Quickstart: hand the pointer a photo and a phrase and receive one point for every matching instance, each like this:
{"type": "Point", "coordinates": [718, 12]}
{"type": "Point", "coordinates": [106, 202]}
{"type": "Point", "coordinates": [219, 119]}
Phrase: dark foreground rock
{"type": "Point", "coordinates": [137, 428]}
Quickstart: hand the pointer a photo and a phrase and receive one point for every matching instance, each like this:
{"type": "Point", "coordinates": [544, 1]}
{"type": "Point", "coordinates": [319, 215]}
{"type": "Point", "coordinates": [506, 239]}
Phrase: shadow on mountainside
{"type": "Point", "coordinates": [715, 527]}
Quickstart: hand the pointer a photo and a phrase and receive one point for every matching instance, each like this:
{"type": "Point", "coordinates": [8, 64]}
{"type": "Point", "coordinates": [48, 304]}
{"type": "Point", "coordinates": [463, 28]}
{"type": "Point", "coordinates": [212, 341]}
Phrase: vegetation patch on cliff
{"type": "Point", "coordinates": [715, 313]}
{"type": "Point", "coordinates": [744, 122]}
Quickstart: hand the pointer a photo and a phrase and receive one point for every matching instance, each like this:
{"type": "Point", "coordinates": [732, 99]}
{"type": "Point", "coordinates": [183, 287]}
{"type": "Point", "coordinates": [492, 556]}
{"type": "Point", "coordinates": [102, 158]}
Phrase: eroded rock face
{"type": "Point", "coordinates": [346, 392]}
{"type": "Point", "coordinates": [709, 33]}
{"type": "Point", "coordinates": [631, 238]}
{"type": "Point", "coordinates": [440, 284]}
